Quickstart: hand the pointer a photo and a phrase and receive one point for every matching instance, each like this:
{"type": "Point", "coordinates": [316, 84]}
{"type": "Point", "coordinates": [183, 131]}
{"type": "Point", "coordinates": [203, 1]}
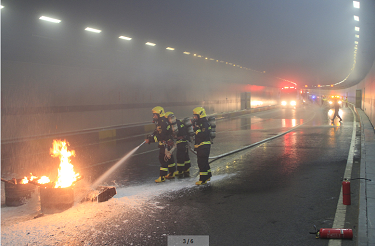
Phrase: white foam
{"type": "Point", "coordinates": [19, 226]}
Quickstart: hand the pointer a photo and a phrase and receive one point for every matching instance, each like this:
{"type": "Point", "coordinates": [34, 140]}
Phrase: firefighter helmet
{"type": "Point", "coordinates": [167, 114]}
{"type": "Point", "coordinates": [158, 110]}
{"type": "Point", "coordinates": [200, 112]}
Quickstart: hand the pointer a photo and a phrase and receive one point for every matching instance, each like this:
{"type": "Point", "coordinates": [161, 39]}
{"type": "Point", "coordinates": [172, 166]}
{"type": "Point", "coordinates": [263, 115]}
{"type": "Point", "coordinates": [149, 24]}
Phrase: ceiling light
{"type": "Point", "coordinates": [356, 4]}
{"type": "Point", "coordinates": [356, 28]}
{"type": "Point", "coordinates": [187, 53]}
{"type": "Point", "coordinates": [356, 18]}
{"type": "Point", "coordinates": [170, 48]}
{"type": "Point", "coordinates": [45, 18]}
{"type": "Point", "coordinates": [93, 30]}
{"type": "Point", "coordinates": [150, 44]}
{"type": "Point", "coordinates": [125, 38]}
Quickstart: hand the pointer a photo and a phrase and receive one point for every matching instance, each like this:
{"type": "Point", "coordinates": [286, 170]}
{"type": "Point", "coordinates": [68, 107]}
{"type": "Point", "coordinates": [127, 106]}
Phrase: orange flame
{"type": "Point", "coordinates": [42, 180]}
{"type": "Point", "coordinates": [66, 174]}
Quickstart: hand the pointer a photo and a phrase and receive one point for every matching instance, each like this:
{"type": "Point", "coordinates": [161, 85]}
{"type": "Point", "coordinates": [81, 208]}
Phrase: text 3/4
{"type": "Point", "coordinates": [187, 241]}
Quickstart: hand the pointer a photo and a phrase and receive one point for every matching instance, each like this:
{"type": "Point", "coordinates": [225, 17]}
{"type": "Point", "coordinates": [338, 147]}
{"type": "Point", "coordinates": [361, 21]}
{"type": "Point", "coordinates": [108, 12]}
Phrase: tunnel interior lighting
{"type": "Point", "coordinates": [186, 53]}
{"type": "Point", "coordinates": [125, 38]}
{"type": "Point", "coordinates": [356, 18]}
{"type": "Point", "coordinates": [93, 30]}
{"type": "Point", "coordinates": [49, 19]}
{"type": "Point", "coordinates": [2, 6]}
{"type": "Point", "coordinates": [150, 44]}
{"type": "Point", "coordinates": [356, 4]}
{"type": "Point", "coordinates": [356, 28]}
{"type": "Point", "coordinates": [170, 48]}
{"type": "Point", "coordinates": [357, 36]}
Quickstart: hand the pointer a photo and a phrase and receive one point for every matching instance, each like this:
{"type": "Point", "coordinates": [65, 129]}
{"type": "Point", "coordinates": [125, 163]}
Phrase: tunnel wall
{"type": "Point", "coordinates": [366, 90]}
{"type": "Point", "coordinates": [40, 98]}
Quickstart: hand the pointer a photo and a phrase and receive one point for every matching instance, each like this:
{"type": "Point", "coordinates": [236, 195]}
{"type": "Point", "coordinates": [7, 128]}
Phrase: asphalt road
{"type": "Point", "coordinates": [270, 194]}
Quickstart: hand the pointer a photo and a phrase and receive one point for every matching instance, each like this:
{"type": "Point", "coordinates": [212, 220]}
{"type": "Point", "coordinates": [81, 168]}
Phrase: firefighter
{"type": "Point", "coordinates": [202, 144]}
{"type": "Point", "coordinates": [181, 135]}
{"type": "Point", "coordinates": [336, 106]}
{"type": "Point", "coordinates": [161, 135]}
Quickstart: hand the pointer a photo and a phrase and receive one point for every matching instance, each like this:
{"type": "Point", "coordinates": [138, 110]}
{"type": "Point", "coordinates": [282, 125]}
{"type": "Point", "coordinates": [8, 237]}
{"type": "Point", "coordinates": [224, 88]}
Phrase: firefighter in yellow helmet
{"type": "Point", "coordinates": [202, 144]}
{"type": "Point", "coordinates": [180, 133]}
{"type": "Point", "coordinates": [162, 135]}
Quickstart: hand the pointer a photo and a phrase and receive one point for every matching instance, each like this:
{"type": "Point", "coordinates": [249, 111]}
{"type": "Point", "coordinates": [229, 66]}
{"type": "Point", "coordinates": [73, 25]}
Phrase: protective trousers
{"type": "Point", "coordinates": [183, 159]}
{"type": "Point", "coordinates": [336, 114]}
{"type": "Point", "coordinates": [203, 152]}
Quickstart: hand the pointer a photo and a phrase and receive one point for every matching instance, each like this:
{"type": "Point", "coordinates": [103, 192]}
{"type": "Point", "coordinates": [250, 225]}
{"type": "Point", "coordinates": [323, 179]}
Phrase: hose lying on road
{"type": "Point", "coordinates": [254, 144]}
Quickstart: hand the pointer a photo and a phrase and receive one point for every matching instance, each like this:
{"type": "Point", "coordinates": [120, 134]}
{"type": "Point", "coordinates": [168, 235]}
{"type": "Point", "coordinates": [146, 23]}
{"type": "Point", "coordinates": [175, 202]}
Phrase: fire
{"type": "Point", "coordinates": [42, 180]}
{"type": "Point", "coordinates": [66, 174]}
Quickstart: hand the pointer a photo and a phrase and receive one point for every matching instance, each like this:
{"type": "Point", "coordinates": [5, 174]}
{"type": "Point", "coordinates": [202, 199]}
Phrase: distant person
{"type": "Point", "coordinates": [336, 106]}
{"type": "Point", "coordinates": [202, 144]}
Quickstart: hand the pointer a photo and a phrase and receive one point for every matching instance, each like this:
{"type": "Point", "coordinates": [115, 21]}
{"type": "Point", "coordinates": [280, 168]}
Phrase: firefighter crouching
{"type": "Point", "coordinates": [162, 135]}
{"type": "Point", "coordinates": [180, 133]}
{"type": "Point", "coordinates": [202, 144]}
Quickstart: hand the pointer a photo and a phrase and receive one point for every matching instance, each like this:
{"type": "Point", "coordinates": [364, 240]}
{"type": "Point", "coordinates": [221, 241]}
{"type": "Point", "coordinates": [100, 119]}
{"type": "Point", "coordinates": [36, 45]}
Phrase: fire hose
{"type": "Point", "coordinates": [254, 144]}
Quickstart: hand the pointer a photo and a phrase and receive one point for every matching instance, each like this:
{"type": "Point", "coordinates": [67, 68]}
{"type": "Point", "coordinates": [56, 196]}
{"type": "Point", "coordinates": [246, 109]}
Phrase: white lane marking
{"type": "Point", "coordinates": [339, 221]}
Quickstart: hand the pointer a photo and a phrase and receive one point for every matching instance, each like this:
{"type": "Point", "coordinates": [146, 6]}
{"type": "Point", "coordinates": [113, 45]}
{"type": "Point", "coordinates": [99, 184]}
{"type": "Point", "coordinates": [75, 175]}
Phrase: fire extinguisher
{"type": "Point", "coordinates": [346, 192]}
{"type": "Point", "coordinates": [335, 233]}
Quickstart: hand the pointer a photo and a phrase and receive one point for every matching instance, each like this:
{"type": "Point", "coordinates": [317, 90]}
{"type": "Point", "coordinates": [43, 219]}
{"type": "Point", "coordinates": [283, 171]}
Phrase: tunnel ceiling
{"type": "Point", "coordinates": [308, 42]}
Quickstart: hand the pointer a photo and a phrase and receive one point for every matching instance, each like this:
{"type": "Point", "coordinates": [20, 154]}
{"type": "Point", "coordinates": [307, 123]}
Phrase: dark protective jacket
{"type": "Point", "coordinates": [336, 105]}
{"type": "Point", "coordinates": [182, 135]}
{"type": "Point", "coordinates": [202, 132]}
{"type": "Point", "coordinates": [161, 134]}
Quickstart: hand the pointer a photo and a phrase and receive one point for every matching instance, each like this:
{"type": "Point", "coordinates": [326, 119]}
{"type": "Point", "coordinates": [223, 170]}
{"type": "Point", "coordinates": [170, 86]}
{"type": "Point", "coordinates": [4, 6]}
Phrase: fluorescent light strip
{"type": "Point", "coordinates": [356, 18]}
{"type": "Point", "coordinates": [93, 30]}
{"type": "Point", "coordinates": [170, 48]}
{"type": "Point", "coordinates": [356, 4]}
{"type": "Point", "coordinates": [150, 44]}
{"type": "Point", "coordinates": [125, 38]}
{"type": "Point", "coordinates": [49, 19]}
{"type": "Point", "coordinates": [187, 53]}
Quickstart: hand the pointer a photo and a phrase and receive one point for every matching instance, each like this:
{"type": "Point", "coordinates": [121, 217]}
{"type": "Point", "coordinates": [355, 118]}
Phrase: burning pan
{"type": "Point", "coordinates": [56, 200]}
{"type": "Point", "coordinates": [16, 194]}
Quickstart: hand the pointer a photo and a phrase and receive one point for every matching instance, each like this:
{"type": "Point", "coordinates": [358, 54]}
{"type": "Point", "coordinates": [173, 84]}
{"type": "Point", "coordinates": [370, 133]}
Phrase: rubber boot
{"type": "Point", "coordinates": [201, 182]}
{"type": "Point", "coordinates": [170, 175]}
{"type": "Point", "coordinates": [160, 179]}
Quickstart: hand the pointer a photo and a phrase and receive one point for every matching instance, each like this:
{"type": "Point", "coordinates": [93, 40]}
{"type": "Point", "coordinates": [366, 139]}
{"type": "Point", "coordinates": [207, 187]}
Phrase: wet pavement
{"type": "Point", "coordinates": [270, 194]}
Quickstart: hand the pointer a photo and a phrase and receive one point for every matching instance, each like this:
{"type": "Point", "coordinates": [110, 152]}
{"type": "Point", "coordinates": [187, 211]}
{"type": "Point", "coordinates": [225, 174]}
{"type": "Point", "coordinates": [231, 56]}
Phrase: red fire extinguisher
{"type": "Point", "coordinates": [337, 233]}
{"type": "Point", "coordinates": [346, 192]}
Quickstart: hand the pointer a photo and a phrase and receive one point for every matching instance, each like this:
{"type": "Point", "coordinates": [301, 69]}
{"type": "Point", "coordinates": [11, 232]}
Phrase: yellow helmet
{"type": "Point", "coordinates": [158, 110]}
{"type": "Point", "coordinates": [167, 114]}
{"type": "Point", "coordinates": [200, 112]}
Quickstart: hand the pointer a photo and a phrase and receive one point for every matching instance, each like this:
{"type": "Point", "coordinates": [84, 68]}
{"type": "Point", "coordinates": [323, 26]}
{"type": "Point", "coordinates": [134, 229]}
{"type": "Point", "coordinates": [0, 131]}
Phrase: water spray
{"type": "Point", "coordinates": [114, 167]}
